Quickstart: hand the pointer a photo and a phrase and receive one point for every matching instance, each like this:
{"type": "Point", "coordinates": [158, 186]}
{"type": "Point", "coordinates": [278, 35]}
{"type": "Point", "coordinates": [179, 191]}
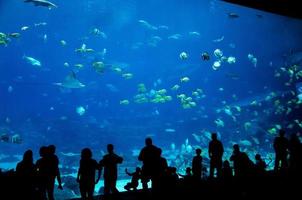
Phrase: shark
{"type": "Point", "coordinates": [43, 3]}
{"type": "Point", "coordinates": [71, 82]}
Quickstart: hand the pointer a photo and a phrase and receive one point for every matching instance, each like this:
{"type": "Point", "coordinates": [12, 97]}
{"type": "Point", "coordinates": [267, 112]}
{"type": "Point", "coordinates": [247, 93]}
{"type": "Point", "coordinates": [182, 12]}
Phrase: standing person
{"type": "Point", "coordinates": [197, 165]}
{"type": "Point", "coordinates": [109, 163]}
{"type": "Point", "coordinates": [150, 156]}
{"type": "Point", "coordinates": [25, 172]}
{"type": "Point", "coordinates": [54, 170]}
{"type": "Point", "coordinates": [86, 174]}
{"type": "Point", "coordinates": [215, 154]}
{"type": "Point", "coordinates": [281, 147]}
{"type": "Point", "coordinates": [48, 170]}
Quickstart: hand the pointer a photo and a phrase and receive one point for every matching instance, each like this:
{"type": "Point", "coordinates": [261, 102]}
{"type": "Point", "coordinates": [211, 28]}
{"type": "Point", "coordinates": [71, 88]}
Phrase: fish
{"type": "Point", "coordinates": [233, 15]}
{"type": "Point", "coordinates": [249, 101]}
{"type": "Point", "coordinates": [43, 3]}
{"type": "Point", "coordinates": [147, 25]}
{"type": "Point", "coordinates": [32, 61]}
{"type": "Point", "coordinates": [169, 130]}
{"type": "Point", "coordinates": [219, 39]}
{"type": "Point", "coordinates": [71, 82]}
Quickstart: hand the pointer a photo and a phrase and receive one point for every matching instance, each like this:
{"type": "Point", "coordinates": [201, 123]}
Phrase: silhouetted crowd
{"type": "Point", "coordinates": [245, 178]}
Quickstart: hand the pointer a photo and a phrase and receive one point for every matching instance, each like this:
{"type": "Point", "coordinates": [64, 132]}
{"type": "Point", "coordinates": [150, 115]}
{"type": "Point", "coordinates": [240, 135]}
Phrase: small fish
{"type": "Point", "coordinates": [169, 130]}
{"type": "Point", "coordinates": [80, 110]}
{"type": "Point", "coordinates": [32, 61]}
{"type": "Point", "coordinates": [233, 15]}
{"type": "Point", "coordinates": [219, 39]}
{"type": "Point", "coordinates": [124, 102]}
{"type": "Point", "coordinates": [183, 55]}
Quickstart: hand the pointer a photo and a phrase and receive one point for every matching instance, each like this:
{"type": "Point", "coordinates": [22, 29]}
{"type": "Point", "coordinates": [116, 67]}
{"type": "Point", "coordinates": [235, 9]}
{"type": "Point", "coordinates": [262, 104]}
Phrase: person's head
{"type": "Point", "coordinates": [86, 153]}
{"type": "Point", "coordinates": [281, 132]}
{"type": "Point", "coordinates": [257, 157]}
{"type": "Point", "coordinates": [198, 151]}
{"type": "Point", "coordinates": [52, 149]}
{"type": "Point", "coordinates": [188, 170]}
{"type": "Point", "coordinates": [43, 151]}
{"type": "Point", "coordinates": [214, 136]}
{"type": "Point", "coordinates": [110, 148]}
{"type": "Point", "coordinates": [137, 169]}
{"type": "Point", "coordinates": [148, 141]}
{"type": "Point", "coordinates": [236, 148]}
{"type": "Point", "coordinates": [226, 164]}
{"type": "Point", "coordinates": [28, 156]}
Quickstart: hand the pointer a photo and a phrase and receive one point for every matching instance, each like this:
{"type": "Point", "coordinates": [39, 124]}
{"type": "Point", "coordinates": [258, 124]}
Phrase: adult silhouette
{"type": "Point", "coordinates": [295, 155]}
{"type": "Point", "coordinates": [86, 174]}
{"type": "Point", "coordinates": [281, 148]}
{"type": "Point", "coordinates": [241, 162]}
{"type": "Point", "coordinates": [215, 154]}
{"type": "Point", "coordinates": [25, 172]}
{"type": "Point", "coordinates": [47, 171]}
{"type": "Point", "coordinates": [109, 163]}
{"type": "Point", "coordinates": [197, 165]}
{"type": "Point", "coordinates": [150, 156]}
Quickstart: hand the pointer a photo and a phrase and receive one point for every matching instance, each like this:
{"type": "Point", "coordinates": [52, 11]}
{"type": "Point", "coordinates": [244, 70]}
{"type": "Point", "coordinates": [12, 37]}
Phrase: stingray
{"type": "Point", "coordinates": [71, 82]}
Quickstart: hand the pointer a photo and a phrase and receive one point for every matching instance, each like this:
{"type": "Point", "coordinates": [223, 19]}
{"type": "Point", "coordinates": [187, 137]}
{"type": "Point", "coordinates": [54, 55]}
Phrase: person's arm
{"type": "Point", "coordinates": [59, 179]}
{"type": "Point", "coordinates": [141, 155]}
{"type": "Point", "coordinates": [119, 159]}
{"type": "Point", "coordinates": [79, 174]}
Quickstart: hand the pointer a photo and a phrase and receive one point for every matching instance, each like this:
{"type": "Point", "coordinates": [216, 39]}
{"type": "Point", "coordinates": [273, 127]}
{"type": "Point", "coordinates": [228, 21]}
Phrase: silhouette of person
{"type": "Point", "coordinates": [260, 165]}
{"type": "Point", "coordinates": [188, 175]}
{"type": "Point", "coordinates": [25, 172]}
{"type": "Point", "coordinates": [48, 170]}
{"type": "Point", "coordinates": [42, 172]}
{"type": "Point", "coordinates": [295, 154]}
{"type": "Point", "coordinates": [134, 180]}
{"type": "Point", "coordinates": [109, 163]}
{"type": "Point", "coordinates": [226, 172]}
{"type": "Point", "coordinates": [241, 162]}
{"type": "Point", "coordinates": [86, 174]}
{"type": "Point", "coordinates": [215, 154]}
{"type": "Point", "coordinates": [281, 147]}
{"type": "Point", "coordinates": [197, 165]}
{"type": "Point", "coordinates": [150, 156]}
{"type": "Point", "coordinates": [54, 167]}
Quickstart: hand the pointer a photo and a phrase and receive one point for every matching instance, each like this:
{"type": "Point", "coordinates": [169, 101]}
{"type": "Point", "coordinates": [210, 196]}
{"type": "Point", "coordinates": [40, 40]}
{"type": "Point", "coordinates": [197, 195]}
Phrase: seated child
{"type": "Point", "coordinates": [134, 180]}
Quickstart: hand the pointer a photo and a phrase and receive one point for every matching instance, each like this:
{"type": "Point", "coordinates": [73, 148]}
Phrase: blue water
{"type": "Point", "coordinates": [35, 107]}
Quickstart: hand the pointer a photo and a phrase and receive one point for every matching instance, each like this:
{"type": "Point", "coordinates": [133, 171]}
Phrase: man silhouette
{"type": "Point", "coordinates": [109, 163]}
{"type": "Point", "coordinates": [215, 154]}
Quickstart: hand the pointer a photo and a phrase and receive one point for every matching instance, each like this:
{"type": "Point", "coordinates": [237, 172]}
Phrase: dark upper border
{"type": "Point", "coordinates": [290, 8]}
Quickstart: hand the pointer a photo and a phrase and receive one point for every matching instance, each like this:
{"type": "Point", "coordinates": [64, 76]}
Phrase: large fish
{"type": "Point", "coordinates": [43, 3]}
{"type": "Point", "coordinates": [71, 82]}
